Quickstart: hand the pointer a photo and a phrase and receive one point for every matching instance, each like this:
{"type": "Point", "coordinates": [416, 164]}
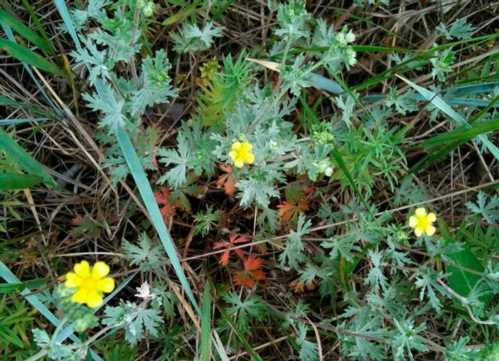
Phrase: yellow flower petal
{"type": "Point", "coordinates": [413, 221]}
{"type": "Point", "coordinates": [432, 217]}
{"type": "Point", "coordinates": [418, 231]}
{"type": "Point", "coordinates": [247, 147]}
{"type": "Point", "coordinates": [100, 270]}
{"type": "Point", "coordinates": [238, 163]}
{"type": "Point", "coordinates": [236, 146]}
{"type": "Point", "coordinates": [80, 296]}
{"type": "Point", "coordinates": [72, 280]}
{"type": "Point", "coordinates": [420, 212]}
{"type": "Point", "coordinates": [82, 269]}
{"type": "Point", "coordinates": [105, 285]}
{"type": "Point", "coordinates": [94, 299]}
{"type": "Point", "coordinates": [430, 230]}
{"type": "Point", "coordinates": [250, 159]}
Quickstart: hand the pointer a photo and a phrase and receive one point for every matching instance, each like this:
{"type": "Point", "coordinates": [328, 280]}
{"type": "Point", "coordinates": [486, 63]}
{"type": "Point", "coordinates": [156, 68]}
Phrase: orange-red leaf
{"type": "Point", "coordinates": [234, 239]}
{"type": "Point", "coordinates": [227, 180]}
{"type": "Point", "coordinates": [244, 279]}
{"type": "Point", "coordinates": [168, 209]}
{"type": "Point", "coordinates": [253, 263]}
{"type": "Point", "coordinates": [289, 210]}
{"type": "Point", "coordinates": [252, 273]}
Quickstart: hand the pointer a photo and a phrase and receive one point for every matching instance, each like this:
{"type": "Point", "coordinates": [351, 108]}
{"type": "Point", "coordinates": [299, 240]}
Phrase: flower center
{"type": "Point", "coordinates": [422, 222]}
{"type": "Point", "coordinates": [88, 283]}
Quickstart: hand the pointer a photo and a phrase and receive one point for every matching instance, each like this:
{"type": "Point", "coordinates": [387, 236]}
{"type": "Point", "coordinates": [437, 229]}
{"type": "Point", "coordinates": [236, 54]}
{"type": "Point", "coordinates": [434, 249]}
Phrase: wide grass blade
{"type": "Point", "coordinates": [29, 57]}
{"type": "Point", "coordinates": [33, 299]}
{"type": "Point", "coordinates": [462, 134]}
{"type": "Point", "coordinates": [206, 325]}
{"type": "Point", "coordinates": [12, 181]}
{"type": "Point", "coordinates": [22, 158]}
{"type": "Point", "coordinates": [439, 103]}
{"type": "Point", "coordinates": [8, 288]}
{"type": "Point", "coordinates": [24, 31]}
{"type": "Point", "coordinates": [151, 205]}
{"type": "Point", "coordinates": [68, 21]}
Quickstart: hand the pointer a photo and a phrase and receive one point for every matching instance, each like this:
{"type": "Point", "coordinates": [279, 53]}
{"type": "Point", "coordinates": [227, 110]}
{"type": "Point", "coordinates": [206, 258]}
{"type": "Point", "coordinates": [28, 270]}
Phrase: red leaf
{"type": "Point", "coordinates": [234, 239]}
{"type": "Point", "coordinates": [251, 274]}
{"type": "Point", "coordinates": [242, 279]}
{"type": "Point", "coordinates": [224, 258]}
{"type": "Point", "coordinates": [227, 181]}
{"type": "Point", "coordinates": [168, 210]}
{"type": "Point", "coordinates": [253, 263]}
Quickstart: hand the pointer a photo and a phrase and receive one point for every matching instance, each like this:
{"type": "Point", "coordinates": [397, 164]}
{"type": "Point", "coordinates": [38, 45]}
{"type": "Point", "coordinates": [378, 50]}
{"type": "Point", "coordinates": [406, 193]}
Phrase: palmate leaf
{"type": "Point", "coordinates": [192, 38]}
{"type": "Point", "coordinates": [146, 255]}
{"type": "Point", "coordinates": [308, 350]}
{"type": "Point", "coordinates": [136, 320]}
{"type": "Point", "coordinates": [486, 207]}
{"type": "Point", "coordinates": [156, 83]}
{"type": "Point", "coordinates": [109, 103]}
{"type": "Point", "coordinates": [252, 308]}
{"type": "Point", "coordinates": [176, 176]}
{"type": "Point", "coordinates": [293, 255]}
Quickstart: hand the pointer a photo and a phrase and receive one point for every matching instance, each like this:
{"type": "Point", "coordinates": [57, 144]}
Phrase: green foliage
{"type": "Point", "coordinates": [206, 221]}
{"type": "Point", "coordinates": [308, 350]}
{"type": "Point", "coordinates": [487, 207]}
{"type": "Point", "coordinates": [293, 255]}
{"type": "Point", "coordinates": [146, 255]}
{"type": "Point", "coordinates": [155, 83]}
{"type": "Point", "coordinates": [221, 89]}
{"type": "Point", "coordinates": [191, 38]}
{"type": "Point", "coordinates": [136, 319]}
{"type": "Point", "coordinates": [243, 312]}
{"type": "Point", "coordinates": [14, 324]}
{"type": "Point", "coordinates": [19, 160]}
{"type": "Point", "coordinates": [460, 29]}
{"type": "Point", "coordinates": [193, 153]}
{"type": "Point", "coordinates": [320, 147]}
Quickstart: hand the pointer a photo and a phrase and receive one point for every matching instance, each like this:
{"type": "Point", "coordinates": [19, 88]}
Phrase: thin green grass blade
{"type": "Point", "coordinates": [206, 325]}
{"type": "Point", "coordinates": [68, 21]}
{"type": "Point", "coordinates": [36, 21]}
{"type": "Point", "coordinates": [18, 121]}
{"type": "Point", "coordinates": [29, 57]}
{"type": "Point", "coordinates": [438, 102]}
{"type": "Point", "coordinates": [24, 31]}
{"type": "Point", "coordinates": [462, 134]}
{"type": "Point", "coordinates": [151, 205]}
{"type": "Point", "coordinates": [10, 36]}
{"type": "Point", "coordinates": [22, 158]}
{"type": "Point", "coordinates": [10, 277]}
{"type": "Point", "coordinates": [13, 181]}
{"type": "Point", "coordinates": [35, 109]}
{"type": "Point", "coordinates": [468, 102]}
{"type": "Point", "coordinates": [471, 89]}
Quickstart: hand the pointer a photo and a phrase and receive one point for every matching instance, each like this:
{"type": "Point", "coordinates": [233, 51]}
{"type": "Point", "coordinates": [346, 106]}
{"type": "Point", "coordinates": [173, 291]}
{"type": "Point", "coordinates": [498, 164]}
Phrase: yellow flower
{"type": "Point", "coordinates": [89, 283]}
{"type": "Point", "coordinates": [422, 222]}
{"type": "Point", "coordinates": [241, 153]}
